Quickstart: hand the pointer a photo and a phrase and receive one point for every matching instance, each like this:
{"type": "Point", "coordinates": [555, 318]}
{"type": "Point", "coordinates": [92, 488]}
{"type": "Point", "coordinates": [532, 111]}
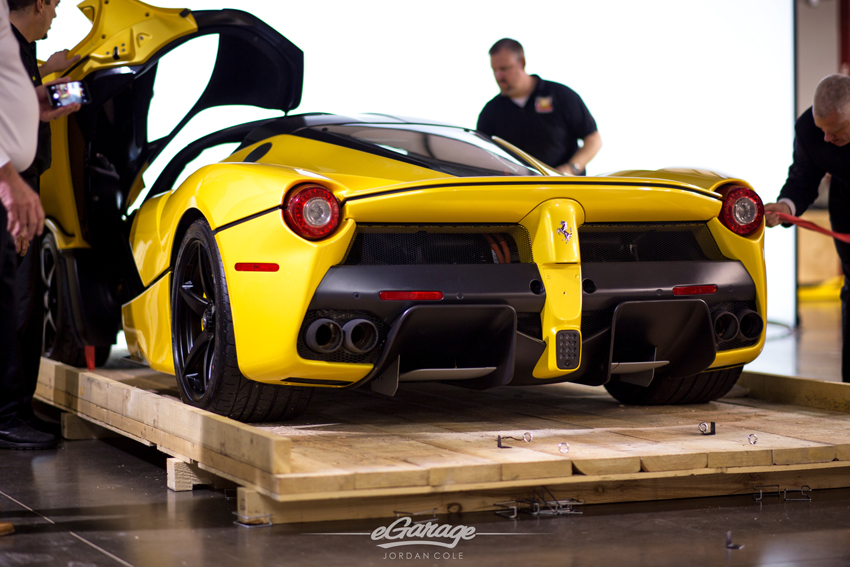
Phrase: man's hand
{"type": "Point", "coordinates": [47, 112]}
{"type": "Point", "coordinates": [24, 215]}
{"type": "Point", "coordinates": [770, 210]}
{"type": "Point", "coordinates": [57, 63]}
{"type": "Point", "coordinates": [21, 246]}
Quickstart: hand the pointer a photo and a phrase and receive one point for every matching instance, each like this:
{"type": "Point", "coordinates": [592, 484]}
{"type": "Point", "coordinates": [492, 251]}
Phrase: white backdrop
{"type": "Point", "coordinates": [705, 83]}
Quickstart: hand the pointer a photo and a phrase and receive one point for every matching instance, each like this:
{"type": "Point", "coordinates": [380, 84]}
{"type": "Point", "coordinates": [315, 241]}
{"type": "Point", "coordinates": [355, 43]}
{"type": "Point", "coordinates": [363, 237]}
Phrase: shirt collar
{"type": "Point", "coordinates": [22, 40]}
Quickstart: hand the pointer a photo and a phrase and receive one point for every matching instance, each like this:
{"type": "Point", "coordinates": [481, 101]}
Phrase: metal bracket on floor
{"type": "Point", "coordinates": [541, 503]}
{"type": "Point", "coordinates": [804, 494]}
{"type": "Point", "coordinates": [527, 437]}
{"type": "Point", "coordinates": [250, 522]}
{"type": "Point", "coordinates": [432, 515]}
{"type": "Point", "coordinates": [707, 429]}
{"type": "Point", "coordinates": [760, 491]}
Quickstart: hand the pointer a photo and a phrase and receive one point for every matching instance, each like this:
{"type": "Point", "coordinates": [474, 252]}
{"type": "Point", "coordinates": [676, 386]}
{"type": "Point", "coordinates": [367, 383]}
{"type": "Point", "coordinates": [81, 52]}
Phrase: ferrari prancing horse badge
{"type": "Point", "coordinates": [565, 231]}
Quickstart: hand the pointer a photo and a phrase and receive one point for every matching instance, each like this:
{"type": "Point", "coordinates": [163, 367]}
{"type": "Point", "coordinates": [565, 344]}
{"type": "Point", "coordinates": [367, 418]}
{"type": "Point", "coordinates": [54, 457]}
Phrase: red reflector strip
{"type": "Point", "coordinates": [694, 289]}
{"type": "Point", "coordinates": [254, 267]}
{"type": "Point", "coordinates": [411, 295]}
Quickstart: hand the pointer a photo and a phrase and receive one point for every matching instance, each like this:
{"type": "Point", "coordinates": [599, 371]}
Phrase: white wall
{"type": "Point", "coordinates": [704, 83]}
{"type": "Point", "coordinates": [818, 41]}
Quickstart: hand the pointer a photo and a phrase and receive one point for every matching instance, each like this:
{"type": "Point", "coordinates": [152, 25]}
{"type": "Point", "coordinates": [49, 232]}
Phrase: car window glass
{"type": "Point", "coordinates": [205, 122]}
{"type": "Point", "coordinates": [456, 151]}
{"type": "Point", "coordinates": [181, 77]}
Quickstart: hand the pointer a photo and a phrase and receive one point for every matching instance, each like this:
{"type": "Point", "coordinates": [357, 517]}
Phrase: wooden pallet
{"type": "Point", "coordinates": [355, 455]}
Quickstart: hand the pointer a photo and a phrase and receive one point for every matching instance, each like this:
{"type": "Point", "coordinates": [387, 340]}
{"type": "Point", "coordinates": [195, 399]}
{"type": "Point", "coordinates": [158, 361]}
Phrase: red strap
{"type": "Point", "coordinates": [812, 226]}
{"type": "Point", "coordinates": [89, 350]}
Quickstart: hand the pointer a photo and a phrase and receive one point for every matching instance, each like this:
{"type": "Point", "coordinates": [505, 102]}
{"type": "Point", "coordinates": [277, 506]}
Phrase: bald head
{"type": "Point", "coordinates": [832, 97]}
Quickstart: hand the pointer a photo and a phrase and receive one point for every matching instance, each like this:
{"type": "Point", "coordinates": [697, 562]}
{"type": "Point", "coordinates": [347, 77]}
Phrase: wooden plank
{"type": "Point", "coordinates": [625, 488]}
{"type": "Point", "coordinates": [182, 476]}
{"type": "Point", "coordinates": [220, 465]}
{"type": "Point", "coordinates": [76, 428]}
{"type": "Point", "coordinates": [822, 394]}
{"type": "Point", "coordinates": [244, 443]}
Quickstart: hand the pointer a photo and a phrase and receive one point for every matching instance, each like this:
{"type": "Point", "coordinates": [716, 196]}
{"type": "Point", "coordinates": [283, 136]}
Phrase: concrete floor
{"type": "Point", "coordinates": [102, 503]}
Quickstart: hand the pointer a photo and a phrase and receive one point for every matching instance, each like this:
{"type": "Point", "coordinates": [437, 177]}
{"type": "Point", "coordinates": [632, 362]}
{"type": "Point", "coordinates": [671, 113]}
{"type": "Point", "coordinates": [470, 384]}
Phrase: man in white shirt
{"type": "Point", "coordinates": [21, 215]}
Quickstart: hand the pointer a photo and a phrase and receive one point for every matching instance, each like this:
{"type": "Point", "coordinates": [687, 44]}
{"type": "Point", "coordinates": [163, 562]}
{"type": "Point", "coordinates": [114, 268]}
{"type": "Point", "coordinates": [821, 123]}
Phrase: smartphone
{"type": "Point", "coordinates": [63, 94]}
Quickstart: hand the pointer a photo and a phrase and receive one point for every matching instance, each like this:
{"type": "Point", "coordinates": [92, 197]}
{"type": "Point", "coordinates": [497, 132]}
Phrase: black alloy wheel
{"type": "Point", "coordinates": [194, 320]}
{"type": "Point", "coordinates": [204, 344]}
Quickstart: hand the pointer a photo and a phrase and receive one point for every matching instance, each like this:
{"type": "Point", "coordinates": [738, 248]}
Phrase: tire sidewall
{"type": "Point", "coordinates": [200, 231]}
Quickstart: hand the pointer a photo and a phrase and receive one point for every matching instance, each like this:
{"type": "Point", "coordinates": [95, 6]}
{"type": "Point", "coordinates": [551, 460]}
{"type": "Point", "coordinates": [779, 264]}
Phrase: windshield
{"type": "Point", "coordinates": [451, 150]}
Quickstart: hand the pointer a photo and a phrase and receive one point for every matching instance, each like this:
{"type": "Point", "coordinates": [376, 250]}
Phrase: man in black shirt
{"type": "Point", "coordinates": [542, 118]}
{"type": "Point", "coordinates": [31, 19]}
{"type": "Point", "coordinates": [821, 146]}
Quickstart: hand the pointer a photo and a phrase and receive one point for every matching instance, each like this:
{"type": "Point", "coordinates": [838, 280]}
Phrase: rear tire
{"type": "Point", "coordinates": [697, 389]}
{"type": "Point", "coordinates": [204, 344]}
{"type": "Point", "coordinates": [59, 340]}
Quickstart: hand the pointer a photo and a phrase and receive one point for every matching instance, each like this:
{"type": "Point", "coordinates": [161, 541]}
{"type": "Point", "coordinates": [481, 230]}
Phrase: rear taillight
{"type": "Point", "coordinates": [742, 210]}
{"type": "Point", "coordinates": [311, 211]}
{"type": "Point", "coordinates": [411, 295]}
{"type": "Point", "coordinates": [694, 289]}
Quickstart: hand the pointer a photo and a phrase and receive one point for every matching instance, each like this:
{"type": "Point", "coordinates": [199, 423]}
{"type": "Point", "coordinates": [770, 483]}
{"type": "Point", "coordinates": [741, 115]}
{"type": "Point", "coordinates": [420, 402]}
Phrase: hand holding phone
{"type": "Point", "coordinates": [64, 94]}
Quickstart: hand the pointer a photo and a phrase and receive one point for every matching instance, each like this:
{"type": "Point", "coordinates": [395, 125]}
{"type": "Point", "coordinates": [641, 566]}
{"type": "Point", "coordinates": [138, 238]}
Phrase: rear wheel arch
{"type": "Point", "coordinates": [188, 218]}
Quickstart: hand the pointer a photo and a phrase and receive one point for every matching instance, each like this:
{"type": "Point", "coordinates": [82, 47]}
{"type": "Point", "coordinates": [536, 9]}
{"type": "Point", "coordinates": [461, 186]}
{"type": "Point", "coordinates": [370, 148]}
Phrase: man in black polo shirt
{"type": "Point", "coordinates": [821, 146]}
{"type": "Point", "coordinates": [31, 19]}
{"type": "Point", "coordinates": [542, 118]}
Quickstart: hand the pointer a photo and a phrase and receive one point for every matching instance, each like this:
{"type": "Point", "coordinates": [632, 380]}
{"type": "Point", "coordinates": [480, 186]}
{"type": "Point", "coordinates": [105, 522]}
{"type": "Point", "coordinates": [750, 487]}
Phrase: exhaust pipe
{"type": "Point", "coordinates": [361, 336]}
{"type": "Point", "coordinates": [323, 336]}
{"type": "Point", "coordinates": [726, 325]}
{"type": "Point", "coordinates": [751, 324]}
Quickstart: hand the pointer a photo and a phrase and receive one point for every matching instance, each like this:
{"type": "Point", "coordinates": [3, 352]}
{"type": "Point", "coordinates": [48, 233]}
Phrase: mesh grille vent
{"type": "Point", "coordinates": [647, 242]}
{"type": "Point", "coordinates": [398, 245]}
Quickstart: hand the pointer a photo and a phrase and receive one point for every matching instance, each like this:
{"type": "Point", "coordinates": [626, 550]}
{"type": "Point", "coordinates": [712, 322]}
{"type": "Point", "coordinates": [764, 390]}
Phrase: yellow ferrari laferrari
{"type": "Point", "coordinates": [370, 251]}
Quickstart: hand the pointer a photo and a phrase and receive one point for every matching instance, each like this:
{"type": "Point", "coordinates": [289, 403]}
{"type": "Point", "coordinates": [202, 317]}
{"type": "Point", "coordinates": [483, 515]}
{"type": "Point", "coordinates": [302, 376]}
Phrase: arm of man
{"type": "Point", "coordinates": [57, 63]}
{"type": "Point", "coordinates": [801, 187]}
{"type": "Point", "coordinates": [25, 217]}
{"type": "Point", "coordinates": [591, 147]}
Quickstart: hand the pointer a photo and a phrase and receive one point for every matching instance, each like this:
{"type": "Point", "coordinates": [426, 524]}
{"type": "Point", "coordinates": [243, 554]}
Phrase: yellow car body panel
{"type": "Point", "coordinates": [57, 190]}
{"type": "Point", "coordinates": [510, 200]}
{"type": "Point", "coordinates": [749, 250]}
{"type": "Point", "coordinates": [222, 193]}
{"type": "Point", "coordinates": [127, 32]}
{"type": "Point", "coordinates": [702, 178]}
{"type": "Point", "coordinates": [356, 171]}
{"type": "Point", "coordinates": [552, 227]}
{"type": "Point", "coordinates": [147, 326]}
{"type": "Point", "coordinates": [268, 307]}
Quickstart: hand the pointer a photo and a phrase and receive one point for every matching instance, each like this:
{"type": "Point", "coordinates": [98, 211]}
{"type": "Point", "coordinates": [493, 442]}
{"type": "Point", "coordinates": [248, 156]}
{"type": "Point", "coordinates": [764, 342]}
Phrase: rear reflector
{"type": "Point", "coordinates": [411, 295]}
{"type": "Point", "coordinates": [252, 267]}
{"type": "Point", "coordinates": [694, 289]}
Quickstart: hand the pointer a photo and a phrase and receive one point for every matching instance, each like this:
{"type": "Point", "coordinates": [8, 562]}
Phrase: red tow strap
{"type": "Point", "coordinates": [812, 226]}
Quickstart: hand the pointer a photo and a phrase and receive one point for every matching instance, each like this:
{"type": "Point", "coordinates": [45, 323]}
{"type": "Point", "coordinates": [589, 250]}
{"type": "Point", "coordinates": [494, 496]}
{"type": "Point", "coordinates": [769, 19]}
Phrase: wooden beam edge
{"type": "Point", "coordinates": [262, 449]}
{"type": "Point", "coordinates": [820, 394]}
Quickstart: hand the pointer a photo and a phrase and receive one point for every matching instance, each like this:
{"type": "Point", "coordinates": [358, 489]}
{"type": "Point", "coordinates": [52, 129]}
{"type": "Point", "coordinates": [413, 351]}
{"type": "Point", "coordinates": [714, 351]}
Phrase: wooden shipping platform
{"type": "Point", "coordinates": [434, 446]}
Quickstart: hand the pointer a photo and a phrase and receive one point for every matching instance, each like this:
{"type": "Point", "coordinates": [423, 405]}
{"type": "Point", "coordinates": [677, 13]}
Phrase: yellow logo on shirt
{"type": "Point", "coordinates": [543, 104]}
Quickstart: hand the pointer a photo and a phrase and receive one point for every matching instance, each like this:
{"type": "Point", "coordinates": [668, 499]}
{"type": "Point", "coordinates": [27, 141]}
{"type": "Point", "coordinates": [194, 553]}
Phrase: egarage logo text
{"type": "Point", "coordinates": [404, 532]}
{"type": "Point", "coordinates": [401, 533]}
